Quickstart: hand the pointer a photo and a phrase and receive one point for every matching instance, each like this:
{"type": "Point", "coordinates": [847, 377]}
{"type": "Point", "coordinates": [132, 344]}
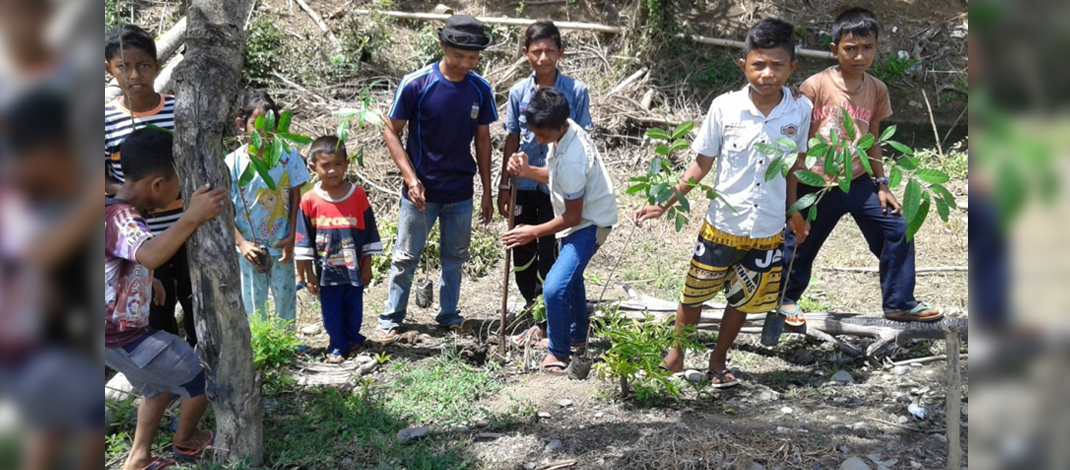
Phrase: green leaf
{"type": "Point", "coordinates": [680, 222]}
{"type": "Point", "coordinates": [942, 209]}
{"type": "Point", "coordinates": [257, 141]}
{"type": "Point", "coordinates": [810, 178]}
{"type": "Point", "coordinates": [664, 194]}
{"type": "Point", "coordinates": [284, 121]}
{"type": "Point", "coordinates": [818, 150]}
{"type": "Point", "coordinates": [658, 134]}
{"type": "Point", "coordinates": [360, 157]}
{"type": "Point", "coordinates": [895, 178]}
{"type": "Point", "coordinates": [655, 167]}
{"type": "Point", "coordinates": [909, 163]}
{"type": "Point", "coordinates": [657, 190]}
{"type": "Point", "coordinates": [867, 141]}
{"type": "Point", "coordinates": [788, 144]}
{"type": "Point", "coordinates": [830, 167]}
{"type": "Point", "coordinates": [662, 150]}
{"type": "Point", "coordinates": [845, 184]}
{"type": "Point", "coordinates": [944, 194]}
{"type": "Point", "coordinates": [811, 160]}
{"type": "Point", "coordinates": [901, 148]}
{"type": "Point", "coordinates": [849, 125]}
{"type": "Point", "coordinates": [767, 149]}
{"type": "Point", "coordinates": [679, 145]}
{"type": "Point", "coordinates": [269, 122]}
{"type": "Point", "coordinates": [774, 169]}
{"type": "Point", "coordinates": [889, 133]}
{"type": "Point", "coordinates": [864, 158]}
{"type": "Point", "coordinates": [932, 176]}
{"type": "Point", "coordinates": [911, 200]}
{"type": "Point", "coordinates": [847, 157]}
{"type": "Point", "coordinates": [638, 188]}
{"type": "Point", "coordinates": [919, 219]}
{"type": "Point", "coordinates": [683, 130]}
{"type": "Point", "coordinates": [812, 214]}
{"type": "Point", "coordinates": [803, 202]}
{"type": "Point", "coordinates": [264, 172]}
{"type": "Point", "coordinates": [368, 116]}
{"type": "Point", "coordinates": [258, 124]}
{"type": "Point", "coordinates": [286, 146]}
{"type": "Point", "coordinates": [295, 139]}
{"type": "Point", "coordinates": [685, 205]}
{"type": "Point", "coordinates": [247, 176]}
{"type": "Point", "coordinates": [343, 132]}
{"type": "Point", "coordinates": [276, 153]}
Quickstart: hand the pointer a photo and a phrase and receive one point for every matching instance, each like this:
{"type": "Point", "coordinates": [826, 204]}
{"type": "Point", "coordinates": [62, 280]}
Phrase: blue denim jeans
{"type": "Point", "coordinates": [885, 234]}
{"type": "Point", "coordinates": [455, 225]}
{"type": "Point", "coordinates": [566, 298]}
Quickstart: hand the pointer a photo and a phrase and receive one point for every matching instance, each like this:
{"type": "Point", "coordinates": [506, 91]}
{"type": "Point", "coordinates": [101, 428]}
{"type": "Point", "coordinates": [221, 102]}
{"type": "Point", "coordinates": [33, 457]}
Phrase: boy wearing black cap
{"type": "Point", "coordinates": [449, 107]}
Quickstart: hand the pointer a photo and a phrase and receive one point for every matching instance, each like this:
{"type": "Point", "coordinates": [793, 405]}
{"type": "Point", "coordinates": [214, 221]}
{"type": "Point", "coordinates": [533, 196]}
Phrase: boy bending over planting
{"type": "Point", "coordinates": [585, 211]}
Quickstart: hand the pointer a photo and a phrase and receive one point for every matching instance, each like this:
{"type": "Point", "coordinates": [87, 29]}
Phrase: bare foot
{"type": "Point", "coordinates": [200, 438]}
{"type": "Point", "coordinates": [674, 361]}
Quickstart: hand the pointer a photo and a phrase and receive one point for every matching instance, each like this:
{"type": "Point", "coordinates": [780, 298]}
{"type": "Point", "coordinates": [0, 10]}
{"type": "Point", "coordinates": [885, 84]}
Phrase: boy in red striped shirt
{"type": "Point", "coordinates": [336, 238]}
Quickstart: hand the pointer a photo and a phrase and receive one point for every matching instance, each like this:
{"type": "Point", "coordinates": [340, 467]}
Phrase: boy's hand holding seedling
{"type": "Point", "coordinates": [250, 251]}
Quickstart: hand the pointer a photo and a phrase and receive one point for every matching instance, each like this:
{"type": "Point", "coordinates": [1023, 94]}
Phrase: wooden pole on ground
{"type": "Point", "coordinates": [502, 345]}
{"type": "Point", "coordinates": [954, 401]}
{"type": "Point", "coordinates": [206, 84]}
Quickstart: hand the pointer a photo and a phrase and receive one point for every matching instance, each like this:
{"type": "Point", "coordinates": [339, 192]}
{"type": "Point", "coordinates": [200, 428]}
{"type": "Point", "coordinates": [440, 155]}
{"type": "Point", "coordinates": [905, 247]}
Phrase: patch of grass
{"type": "Point", "coordinates": [364, 37]}
{"type": "Point", "coordinates": [442, 391]}
{"type": "Point", "coordinates": [484, 252]}
{"type": "Point", "coordinates": [715, 71]}
{"type": "Point", "coordinates": [809, 304]}
{"type": "Point", "coordinates": [955, 162]}
{"type": "Point", "coordinates": [427, 48]}
{"type": "Point", "coordinates": [263, 51]}
{"type": "Point", "coordinates": [361, 430]}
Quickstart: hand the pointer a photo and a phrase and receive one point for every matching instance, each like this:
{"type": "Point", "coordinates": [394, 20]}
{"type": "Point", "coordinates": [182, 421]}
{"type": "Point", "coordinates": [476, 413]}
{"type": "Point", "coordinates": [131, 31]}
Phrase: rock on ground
{"type": "Point", "coordinates": [854, 464]}
{"type": "Point", "coordinates": [554, 446]}
{"type": "Point", "coordinates": [411, 434]}
{"type": "Point", "coordinates": [843, 377]}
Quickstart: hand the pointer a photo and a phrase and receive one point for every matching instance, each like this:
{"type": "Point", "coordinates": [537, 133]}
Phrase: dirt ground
{"type": "Point", "coordinates": [786, 415]}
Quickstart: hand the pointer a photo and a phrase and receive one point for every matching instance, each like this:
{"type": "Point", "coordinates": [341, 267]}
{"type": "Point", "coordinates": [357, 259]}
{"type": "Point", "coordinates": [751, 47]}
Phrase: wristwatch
{"type": "Point", "coordinates": [880, 181]}
{"type": "Point", "coordinates": [505, 187]}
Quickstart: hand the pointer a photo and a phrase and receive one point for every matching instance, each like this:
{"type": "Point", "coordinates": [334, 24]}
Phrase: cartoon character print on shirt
{"type": "Point", "coordinates": [130, 307]}
{"type": "Point", "coordinates": [275, 204]}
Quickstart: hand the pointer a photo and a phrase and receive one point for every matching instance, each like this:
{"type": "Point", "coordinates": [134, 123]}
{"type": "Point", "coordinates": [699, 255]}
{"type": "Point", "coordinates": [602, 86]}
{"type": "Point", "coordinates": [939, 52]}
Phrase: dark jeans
{"type": "Point", "coordinates": [174, 275]}
{"type": "Point", "coordinates": [532, 262]}
{"type": "Point", "coordinates": [885, 233]}
{"type": "Point", "coordinates": [990, 265]}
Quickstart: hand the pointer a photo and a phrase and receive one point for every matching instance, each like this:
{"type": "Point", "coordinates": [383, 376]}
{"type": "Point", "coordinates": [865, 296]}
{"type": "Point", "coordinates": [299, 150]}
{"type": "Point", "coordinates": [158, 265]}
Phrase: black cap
{"type": "Point", "coordinates": [464, 32]}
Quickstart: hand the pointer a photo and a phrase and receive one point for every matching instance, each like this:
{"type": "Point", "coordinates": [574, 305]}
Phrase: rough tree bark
{"type": "Point", "coordinates": [206, 85]}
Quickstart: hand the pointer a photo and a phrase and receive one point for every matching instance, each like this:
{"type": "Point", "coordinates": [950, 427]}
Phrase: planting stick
{"type": "Point", "coordinates": [502, 345]}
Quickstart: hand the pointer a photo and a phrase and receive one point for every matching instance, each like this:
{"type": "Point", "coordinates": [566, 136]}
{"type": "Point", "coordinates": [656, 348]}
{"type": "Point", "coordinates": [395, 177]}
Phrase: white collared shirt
{"type": "Point", "coordinates": [732, 128]}
{"type": "Point", "coordinates": [576, 170]}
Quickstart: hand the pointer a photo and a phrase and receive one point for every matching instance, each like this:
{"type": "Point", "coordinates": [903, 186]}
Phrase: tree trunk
{"type": "Point", "coordinates": [206, 85]}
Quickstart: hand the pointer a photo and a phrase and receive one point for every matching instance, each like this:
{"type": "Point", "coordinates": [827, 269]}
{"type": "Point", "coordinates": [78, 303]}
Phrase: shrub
{"type": "Point", "coordinates": [274, 342]}
{"type": "Point", "coordinates": [262, 51]}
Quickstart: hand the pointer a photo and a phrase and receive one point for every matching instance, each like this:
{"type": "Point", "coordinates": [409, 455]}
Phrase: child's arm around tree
{"type": "Point", "coordinates": [204, 205]}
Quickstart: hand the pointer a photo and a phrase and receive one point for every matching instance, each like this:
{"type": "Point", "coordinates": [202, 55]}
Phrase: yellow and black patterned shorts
{"type": "Point", "coordinates": [747, 270]}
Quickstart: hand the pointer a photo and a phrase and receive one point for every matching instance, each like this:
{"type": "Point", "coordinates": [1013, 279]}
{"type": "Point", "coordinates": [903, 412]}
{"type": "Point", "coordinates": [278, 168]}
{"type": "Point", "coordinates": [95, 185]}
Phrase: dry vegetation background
{"type": "Point", "coordinates": [787, 416]}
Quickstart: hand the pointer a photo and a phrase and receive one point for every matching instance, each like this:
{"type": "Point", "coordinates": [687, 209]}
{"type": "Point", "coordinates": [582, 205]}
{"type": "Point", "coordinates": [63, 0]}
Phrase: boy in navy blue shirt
{"type": "Point", "coordinates": [336, 238]}
{"type": "Point", "coordinates": [446, 107]}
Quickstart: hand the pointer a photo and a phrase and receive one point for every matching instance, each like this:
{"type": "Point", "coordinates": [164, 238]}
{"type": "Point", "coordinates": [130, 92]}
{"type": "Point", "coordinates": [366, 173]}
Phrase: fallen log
{"type": "Point", "coordinates": [822, 326]}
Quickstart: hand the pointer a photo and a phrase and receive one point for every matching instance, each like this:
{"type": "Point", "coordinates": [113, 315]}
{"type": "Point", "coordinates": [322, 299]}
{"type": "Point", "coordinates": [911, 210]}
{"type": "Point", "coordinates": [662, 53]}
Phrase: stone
{"type": "Point", "coordinates": [544, 415]}
{"type": "Point", "coordinates": [599, 415]}
{"type": "Point", "coordinates": [904, 398]}
{"type": "Point", "coordinates": [901, 370]}
{"type": "Point", "coordinates": [918, 411]}
{"type": "Point", "coordinates": [368, 368]}
{"type": "Point", "coordinates": [412, 434]}
{"type": "Point", "coordinates": [902, 419]}
{"type": "Point", "coordinates": [755, 466]}
{"type": "Point", "coordinates": [942, 439]}
{"type": "Point", "coordinates": [765, 396]}
{"type": "Point", "coordinates": [843, 377]}
{"type": "Point", "coordinates": [554, 446]}
{"type": "Point", "coordinates": [364, 359]}
{"type": "Point", "coordinates": [565, 403]}
{"type": "Point", "coordinates": [786, 410]}
{"type": "Point", "coordinates": [840, 400]}
{"type": "Point", "coordinates": [530, 466]}
{"type": "Point", "coordinates": [782, 430]}
{"type": "Point", "coordinates": [312, 330]}
{"type": "Point", "coordinates": [119, 389]}
{"type": "Point", "coordinates": [804, 358]}
{"type": "Point", "coordinates": [854, 463]}
{"type": "Point", "coordinates": [460, 430]}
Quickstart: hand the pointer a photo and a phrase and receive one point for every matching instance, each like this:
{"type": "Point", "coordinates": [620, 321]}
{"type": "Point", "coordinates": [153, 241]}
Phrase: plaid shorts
{"type": "Point", "coordinates": [747, 270]}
